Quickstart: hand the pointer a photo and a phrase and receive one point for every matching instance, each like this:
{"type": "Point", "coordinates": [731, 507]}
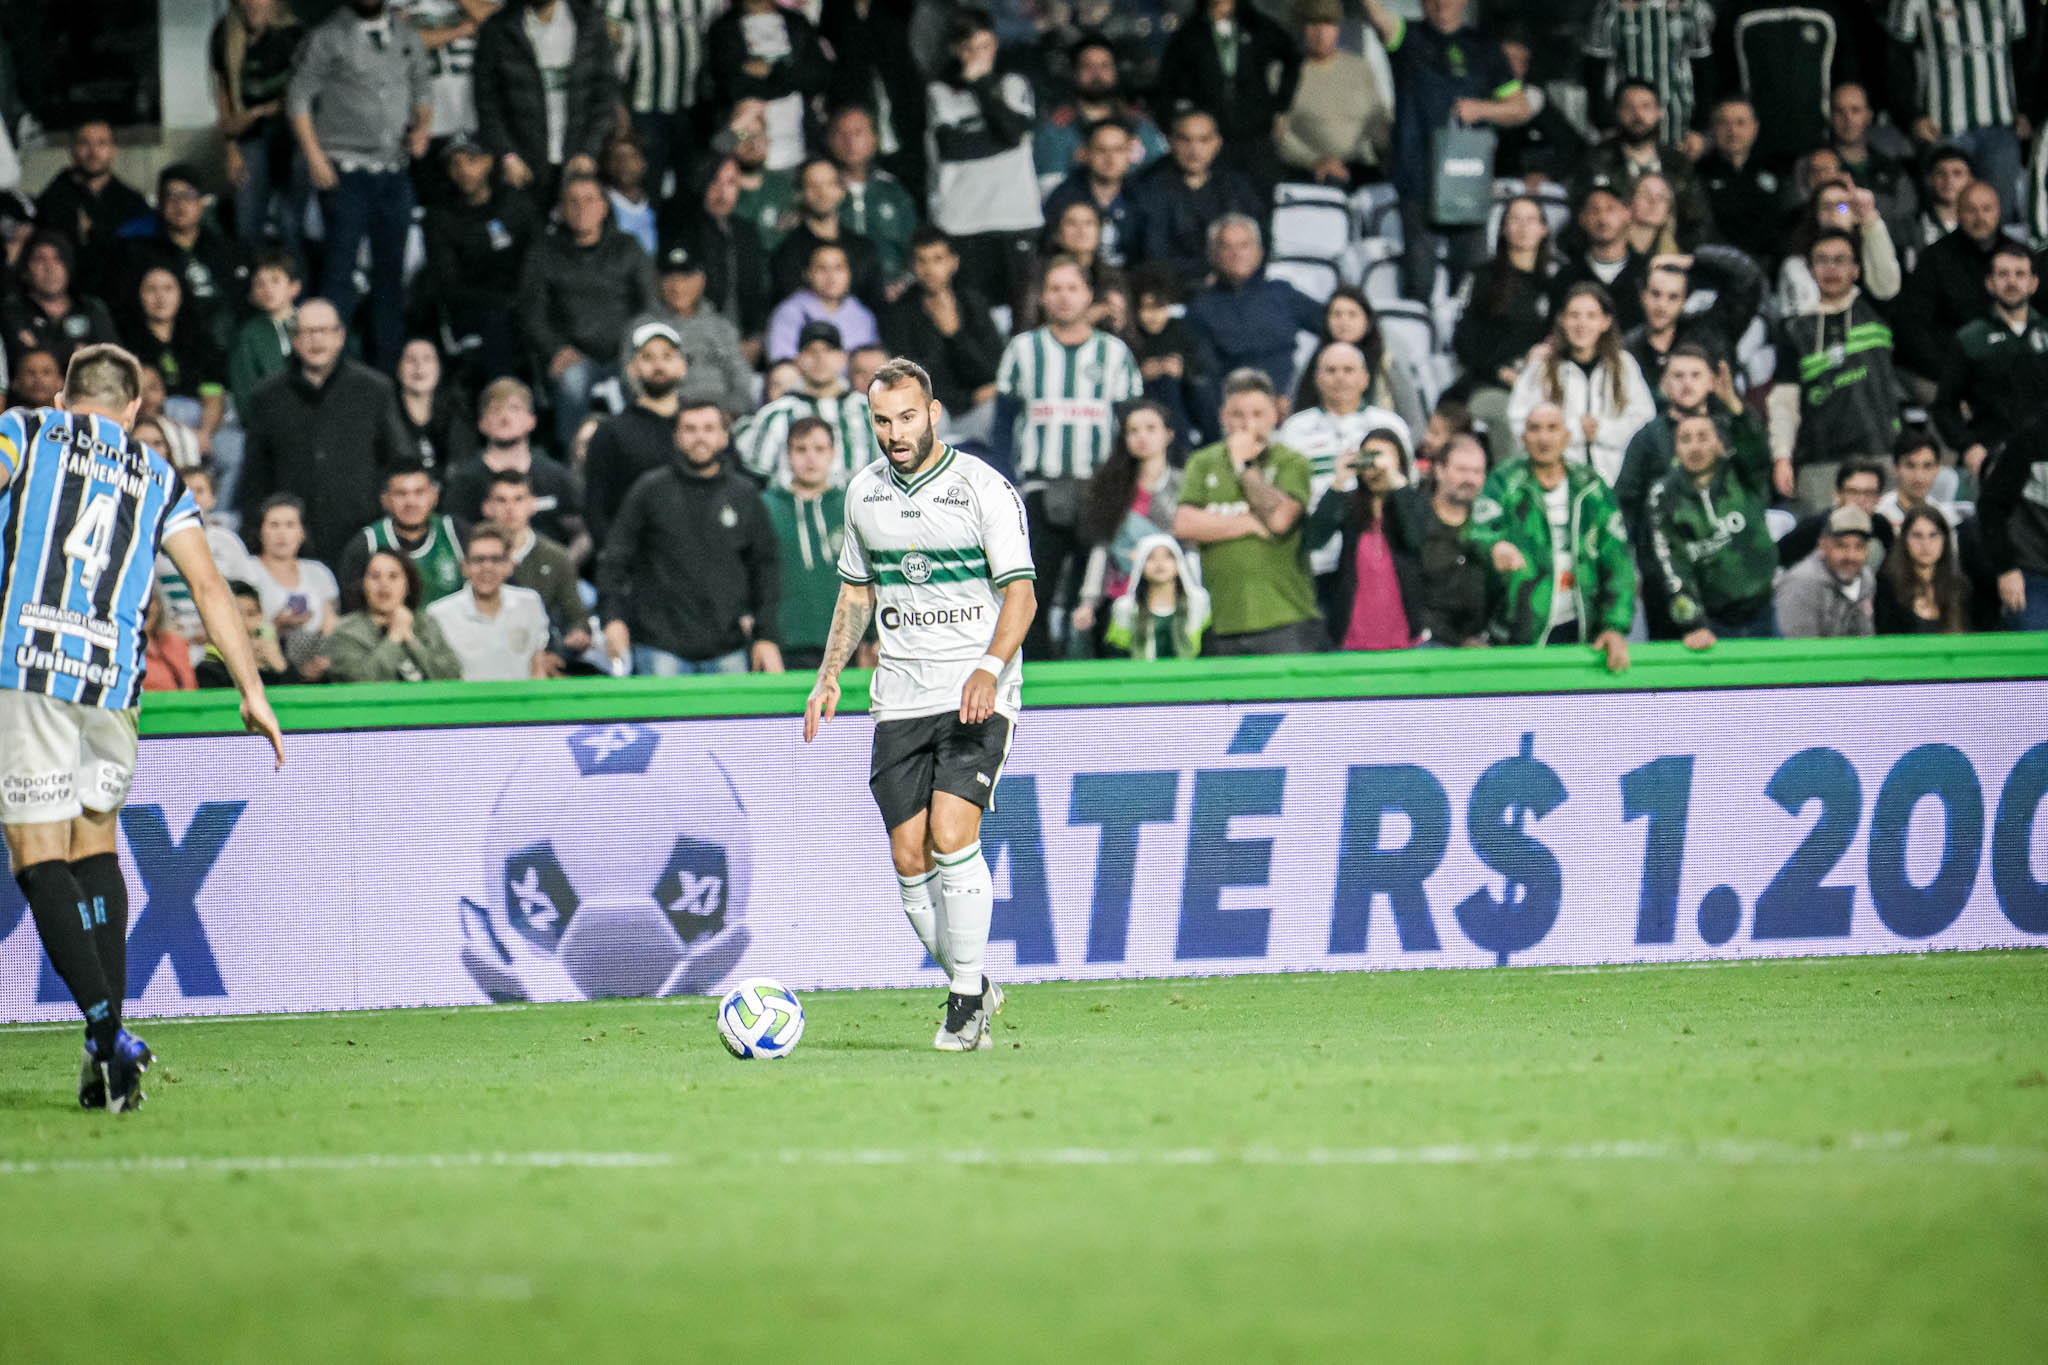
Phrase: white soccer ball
{"type": "Point", "coordinates": [760, 1018]}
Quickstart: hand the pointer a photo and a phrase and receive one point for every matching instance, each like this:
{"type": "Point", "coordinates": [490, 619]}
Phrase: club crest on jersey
{"type": "Point", "coordinates": [917, 568]}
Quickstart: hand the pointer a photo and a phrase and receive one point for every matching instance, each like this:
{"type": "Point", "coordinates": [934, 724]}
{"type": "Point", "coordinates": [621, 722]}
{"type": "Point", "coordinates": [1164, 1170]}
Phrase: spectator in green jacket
{"type": "Point", "coordinates": [809, 518]}
{"type": "Point", "coordinates": [1162, 611]}
{"type": "Point", "coordinates": [1559, 553]}
{"type": "Point", "coordinates": [390, 639]}
{"type": "Point", "coordinates": [1714, 555]}
{"type": "Point", "coordinates": [263, 343]}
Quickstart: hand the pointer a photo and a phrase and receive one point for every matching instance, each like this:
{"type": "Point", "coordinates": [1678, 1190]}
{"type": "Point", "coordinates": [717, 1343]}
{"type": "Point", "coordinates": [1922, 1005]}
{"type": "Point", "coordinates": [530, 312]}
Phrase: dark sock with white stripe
{"type": "Point", "coordinates": [64, 924]}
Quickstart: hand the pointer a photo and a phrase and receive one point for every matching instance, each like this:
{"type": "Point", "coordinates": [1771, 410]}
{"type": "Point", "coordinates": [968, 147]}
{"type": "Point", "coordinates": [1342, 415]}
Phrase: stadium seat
{"type": "Point", "coordinates": [1779, 522]}
{"type": "Point", "coordinates": [1410, 330]}
{"type": "Point", "coordinates": [1316, 278]}
{"type": "Point", "coordinates": [1311, 231]}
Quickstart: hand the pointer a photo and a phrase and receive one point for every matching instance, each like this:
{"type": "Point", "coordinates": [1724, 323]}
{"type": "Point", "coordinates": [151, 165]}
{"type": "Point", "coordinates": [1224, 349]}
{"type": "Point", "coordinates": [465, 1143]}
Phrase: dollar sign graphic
{"type": "Point", "coordinates": [1506, 796]}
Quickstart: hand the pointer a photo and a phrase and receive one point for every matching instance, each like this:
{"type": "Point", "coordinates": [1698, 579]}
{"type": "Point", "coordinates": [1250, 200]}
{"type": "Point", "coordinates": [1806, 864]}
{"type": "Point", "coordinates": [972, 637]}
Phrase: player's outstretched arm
{"type": "Point", "coordinates": [978, 697]}
{"type": "Point", "coordinates": [223, 621]}
{"type": "Point", "coordinates": [850, 617]}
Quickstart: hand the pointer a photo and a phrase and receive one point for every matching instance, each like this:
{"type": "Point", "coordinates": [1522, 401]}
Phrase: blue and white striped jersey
{"type": "Point", "coordinates": [82, 516]}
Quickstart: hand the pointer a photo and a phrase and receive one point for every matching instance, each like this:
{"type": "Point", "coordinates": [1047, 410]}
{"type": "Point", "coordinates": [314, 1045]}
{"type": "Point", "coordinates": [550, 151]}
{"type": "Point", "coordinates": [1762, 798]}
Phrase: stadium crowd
{"type": "Point", "coordinates": [532, 338]}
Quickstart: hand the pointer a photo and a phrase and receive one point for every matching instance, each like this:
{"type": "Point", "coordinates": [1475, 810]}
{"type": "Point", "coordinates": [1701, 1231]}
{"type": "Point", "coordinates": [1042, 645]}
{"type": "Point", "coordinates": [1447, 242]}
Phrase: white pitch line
{"type": "Point", "coordinates": [1714, 1152]}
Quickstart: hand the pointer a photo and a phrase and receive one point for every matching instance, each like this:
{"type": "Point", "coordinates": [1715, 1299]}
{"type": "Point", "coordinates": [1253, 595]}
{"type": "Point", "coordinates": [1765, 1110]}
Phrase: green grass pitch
{"type": "Point", "coordinates": [1811, 1160]}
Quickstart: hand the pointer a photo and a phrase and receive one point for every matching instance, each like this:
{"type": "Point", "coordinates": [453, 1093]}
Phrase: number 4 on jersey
{"type": "Point", "coordinates": [91, 541]}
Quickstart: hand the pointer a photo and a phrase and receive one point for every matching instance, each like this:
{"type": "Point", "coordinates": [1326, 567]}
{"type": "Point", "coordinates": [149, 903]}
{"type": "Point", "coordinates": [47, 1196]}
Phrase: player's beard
{"type": "Point", "coordinates": [920, 452]}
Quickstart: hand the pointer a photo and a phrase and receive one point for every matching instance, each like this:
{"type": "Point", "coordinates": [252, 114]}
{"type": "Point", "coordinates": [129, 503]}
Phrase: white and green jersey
{"type": "Point", "coordinates": [1964, 50]}
{"type": "Point", "coordinates": [938, 550]}
{"type": "Point", "coordinates": [762, 441]}
{"type": "Point", "coordinates": [1068, 394]}
{"type": "Point", "coordinates": [1655, 41]}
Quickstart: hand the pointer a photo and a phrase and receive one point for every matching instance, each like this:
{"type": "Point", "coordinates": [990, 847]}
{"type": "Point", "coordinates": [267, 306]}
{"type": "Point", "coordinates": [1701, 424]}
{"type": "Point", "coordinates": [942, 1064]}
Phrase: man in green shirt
{"type": "Point", "coordinates": [809, 517]}
{"type": "Point", "coordinates": [1241, 501]}
{"type": "Point", "coordinates": [412, 526]}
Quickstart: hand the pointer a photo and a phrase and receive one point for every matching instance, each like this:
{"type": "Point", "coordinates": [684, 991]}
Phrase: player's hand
{"type": "Point", "coordinates": [1698, 639]}
{"type": "Point", "coordinates": [259, 719]}
{"type": "Point", "coordinates": [821, 707]}
{"type": "Point", "coordinates": [978, 698]}
{"type": "Point", "coordinates": [1507, 558]}
{"type": "Point", "coordinates": [1611, 643]}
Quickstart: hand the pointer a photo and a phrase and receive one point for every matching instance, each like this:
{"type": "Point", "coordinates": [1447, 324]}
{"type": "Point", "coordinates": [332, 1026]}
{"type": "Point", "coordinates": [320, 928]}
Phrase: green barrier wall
{"type": "Point", "coordinates": [1407, 673]}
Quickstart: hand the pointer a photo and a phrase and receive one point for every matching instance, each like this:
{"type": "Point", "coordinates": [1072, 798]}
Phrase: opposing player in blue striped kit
{"type": "Point", "coordinates": [936, 552]}
{"type": "Point", "coordinates": [84, 511]}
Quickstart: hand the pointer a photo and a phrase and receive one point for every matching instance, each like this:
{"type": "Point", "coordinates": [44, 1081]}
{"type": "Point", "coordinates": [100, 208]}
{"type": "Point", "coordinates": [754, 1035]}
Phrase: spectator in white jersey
{"type": "Point", "coordinates": [1962, 93]}
{"type": "Point", "coordinates": [762, 441]}
{"type": "Point", "coordinates": [448, 33]}
{"type": "Point", "coordinates": [658, 48]}
{"type": "Point", "coordinates": [1056, 394]}
{"type": "Point", "coordinates": [984, 188]}
{"type": "Point", "coordinates": [497, 630]}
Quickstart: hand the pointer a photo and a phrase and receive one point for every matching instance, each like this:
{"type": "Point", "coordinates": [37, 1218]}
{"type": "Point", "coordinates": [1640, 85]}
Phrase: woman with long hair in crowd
{"type": "Point", "coordinates": [1076, 233]}
{"type": "Point", "coordinates": [1506, 313]}
{"type": "Point", "coordinates": [391, 639]}
{"type": "Point", "coordinates": [1132, 496]}
{"type": "Point", "coordinates": [1837, 203]}
{"type": "Point", "coordinates": [1652, 227]}
{"type": "Point", "coordinates": [1369, 610]}
{"type": "Point", "coordinates": [1163, 610]}
{"type": "Point", "coordinates": [1920, 587]}
{"type": "Point", "coordinates": [1584, 370]}
{"type": "Point", "coordinates": [1349, 316]}
{"type": "Point", "coordinates": [434, 413]}
{"type": "Point", "coordinates": [298, 596]}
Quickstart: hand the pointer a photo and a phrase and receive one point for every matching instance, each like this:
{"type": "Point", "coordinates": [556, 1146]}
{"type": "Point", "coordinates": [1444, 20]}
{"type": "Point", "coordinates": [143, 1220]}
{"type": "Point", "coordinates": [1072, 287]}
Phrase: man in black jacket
{"type": "Point", "coordinates": [820, 190]}
{"type": "Point", "coordinates": [1607, 260]}
{"type": "Point", "coordinates": [322, 429]}
{"type": "Point", "coordinates": [1228, 58]}
{"type": "Point", "coordinates": [1738, 288]}
{"type": "Point", "coordinates": [643, 437]}
{"type": "Point", "coordinates": [1174, 202]}
{"type": "Point", "coordinates": [690, 571]}
{"type": "Point", "coordinates": [525, 52]}
{"type": "Point", "coordinates": [477, 238]}
{"type": "Point", "coordinates": [703, 221]}
{"type": "Point", "coordinates": [580, 287]}
{"type": "Point", "coordinates": [90, 205]}
{"type": "Point", "coordinates": [952, 335]}
{"type": "Point", "coordinates": [1946, 288]}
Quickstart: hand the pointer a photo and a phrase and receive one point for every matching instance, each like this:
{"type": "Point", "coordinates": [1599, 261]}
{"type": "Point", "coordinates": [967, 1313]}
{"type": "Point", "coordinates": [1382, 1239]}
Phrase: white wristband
{"type": "Point", "coordinates": [991, 665]}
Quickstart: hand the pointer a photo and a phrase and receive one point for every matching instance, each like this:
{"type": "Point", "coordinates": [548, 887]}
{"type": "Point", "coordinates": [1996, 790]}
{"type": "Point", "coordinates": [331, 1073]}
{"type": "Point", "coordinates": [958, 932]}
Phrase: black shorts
{"type": "Point", "coordinates": [914, 758]}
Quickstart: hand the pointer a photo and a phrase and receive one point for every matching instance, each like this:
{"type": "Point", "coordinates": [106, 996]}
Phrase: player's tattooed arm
{"type": "Point", "coordinates": [850, 617]}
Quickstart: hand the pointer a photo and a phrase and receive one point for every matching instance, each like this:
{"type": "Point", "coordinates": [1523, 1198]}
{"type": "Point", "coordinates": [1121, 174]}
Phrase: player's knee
{"type": "Point", "coordinates": [953, 831]}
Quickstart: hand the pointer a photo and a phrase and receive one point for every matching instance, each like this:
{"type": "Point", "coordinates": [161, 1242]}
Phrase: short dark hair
{"type": "Point", "coordinates": [931, 234]}
{"type": "Point", "coordinates": [1095, 126]}
{"type": "Point", "coordinates": [902, 370]}
{"type": "Point", "coordinates": [1090, 38]}
{"type": "Point", "coordinates": [405, 466]}
{"type": "Point", "coordinates": [1156, 282]}
{"type": "Point", "coordinates": [2006, 246]}
{"type": "Point", "coordinates": [1835, 234]}
{"type": "Point", "coordinates": [277, 259]}
{"type": "Point", "coordinates": [804, 426]}
{"type": "Point", "coordinates": [804, 168]}
{"type": "Point", "coordinates": [1185, 112]}
{"type": "Point", "coordinates": [414, 589]}
{"type": "Point", "coordinates": [501, 478]}
{"type": "Point", "coordinates": [1851, 468]}
{"type": "Point", "coordinates": [1948, 151]}
{"type": "Point", "coordinates": [1457, 415]}
{"type": "Point", "coordinates": [965, 22]}
{"type": "Point", "coordinates": [1691, 350]}
{"type": "Point", "coordinates": [818, 248]}
{"type": "Point", "coordinates": [205, 469]}
{"type": "Point", "coordinates": [1635, 83]}
{"type": "Point", "coordinates": [1912, 441]}
{"type": "Point", "coordinates": [700, 404]}
{"type": "Point", "coordinates": [242, 588]}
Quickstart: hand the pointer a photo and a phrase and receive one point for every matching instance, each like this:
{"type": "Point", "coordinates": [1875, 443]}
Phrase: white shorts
{"type": "Point", "coordinates": [59, 759]}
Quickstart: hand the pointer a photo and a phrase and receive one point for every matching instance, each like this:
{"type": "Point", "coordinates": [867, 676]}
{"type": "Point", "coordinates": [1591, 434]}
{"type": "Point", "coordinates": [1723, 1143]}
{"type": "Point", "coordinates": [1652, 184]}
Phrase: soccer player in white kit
{"type": "Point", "coordinates": [937, 554]}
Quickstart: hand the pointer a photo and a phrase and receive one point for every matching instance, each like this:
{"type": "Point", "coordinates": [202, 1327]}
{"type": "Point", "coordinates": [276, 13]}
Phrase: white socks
{"type": "Point", "coordinates": [920, 907]}
{"type": "Point", "coordinates": [969, 893]}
